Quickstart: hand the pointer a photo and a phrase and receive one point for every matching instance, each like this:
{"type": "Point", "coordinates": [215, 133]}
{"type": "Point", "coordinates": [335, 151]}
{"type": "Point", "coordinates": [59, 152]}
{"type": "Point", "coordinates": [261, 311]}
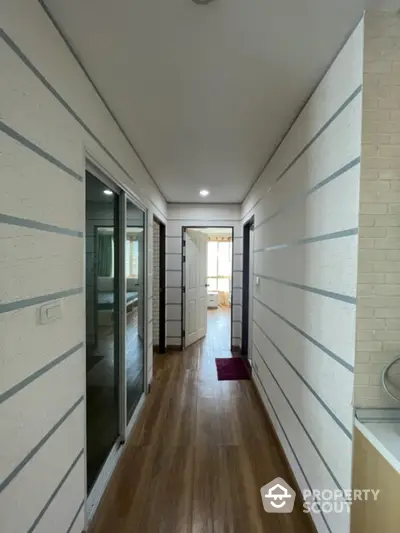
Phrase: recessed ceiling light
{"type": "Point", "coordinates": [204, 192]}
{"type": "Point", "coordinates": [108, 192]}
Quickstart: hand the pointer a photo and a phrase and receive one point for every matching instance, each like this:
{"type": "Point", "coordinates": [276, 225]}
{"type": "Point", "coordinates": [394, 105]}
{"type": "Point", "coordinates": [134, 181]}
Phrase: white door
{"type": "Point", "coordinates": [195, 286]}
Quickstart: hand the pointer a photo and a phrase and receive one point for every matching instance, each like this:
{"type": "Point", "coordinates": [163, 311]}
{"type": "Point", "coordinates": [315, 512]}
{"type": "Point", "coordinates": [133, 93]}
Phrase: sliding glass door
{"type": "Point", "coordinates": [135, 322]}
{"type": "Point", "coordinates": [102, 357]}
{"type": "Point", "coordinates": [115, 321]}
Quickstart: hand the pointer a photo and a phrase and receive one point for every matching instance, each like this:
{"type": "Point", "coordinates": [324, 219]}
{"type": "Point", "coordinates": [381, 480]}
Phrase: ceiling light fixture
{"type": "Point", "coordinates": [204, 193]}
{"type": "Point", "coordinates": [108, 192]}
{"type": "Point", "coordinates": [202, 2]}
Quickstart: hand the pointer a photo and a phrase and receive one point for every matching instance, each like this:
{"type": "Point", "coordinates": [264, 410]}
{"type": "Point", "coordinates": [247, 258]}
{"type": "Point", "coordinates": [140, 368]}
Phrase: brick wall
{"type": "Point", "coordinates": [378, 287]}
{"type": "Point", "coordinates": [156, 283]}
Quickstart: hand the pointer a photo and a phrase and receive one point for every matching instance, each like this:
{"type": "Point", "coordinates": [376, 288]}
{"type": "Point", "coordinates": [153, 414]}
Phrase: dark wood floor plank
{"type": "Point", "coordinates": [199, 454]}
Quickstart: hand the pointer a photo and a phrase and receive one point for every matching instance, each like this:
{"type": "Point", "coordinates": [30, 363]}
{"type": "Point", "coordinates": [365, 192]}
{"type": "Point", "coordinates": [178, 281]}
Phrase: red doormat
{"type": "Point", "coordinates": [232, 368]}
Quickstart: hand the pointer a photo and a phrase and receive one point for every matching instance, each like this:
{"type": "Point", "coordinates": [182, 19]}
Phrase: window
{"type": "Point", "coordinates": [132, 258]}
{"type": "Point", "coordinates": [106, 255]}
{"type": "Point", "coordinates": [219, 266]}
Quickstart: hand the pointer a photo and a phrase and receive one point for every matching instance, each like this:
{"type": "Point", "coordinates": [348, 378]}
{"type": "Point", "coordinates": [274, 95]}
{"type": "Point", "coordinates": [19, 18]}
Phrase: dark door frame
{"type": "Point", "coordinates": [162, 286]}
{"type": "Point", "coordinates": [211, 226]}
{"type": "Point", "coordinates": [245, 285]}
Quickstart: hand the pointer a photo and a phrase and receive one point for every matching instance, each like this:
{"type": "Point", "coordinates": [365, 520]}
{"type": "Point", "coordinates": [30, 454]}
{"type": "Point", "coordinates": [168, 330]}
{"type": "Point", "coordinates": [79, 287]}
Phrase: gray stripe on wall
{"type": "Point", "coordinates": [28, 302]}
{"type": "Point", "coordinates": [345, 168]}
{"type": "Point", "coordinates": [301, 422]}
{"type": "Point", "coordinates": [75, 517]}
{"type": "Point", "coordinates": [308, 337]}
{"type": "Point", "coordinates": [38, 446]}
{"type": "Point", "coordinates": [27, 381]}
{"type": "Point", "coordinates": [34, 224]}
{"type": "Point", "coordinates": [39, 151]}
{"type": "Point", "coordinates": [348, 166]}
{"type": "Point", "coordinates": [290, 445]}
{"type": "Point", "coordinates": [348, 101]}
{"type": "Point", "coordinates": [308, 240]}
{"type": "Point", "coordinates": [305, 382]}
{"type": "Point", "coordinates": [321, 292]}
{"type": "Point", "coordinates": [56, 491]}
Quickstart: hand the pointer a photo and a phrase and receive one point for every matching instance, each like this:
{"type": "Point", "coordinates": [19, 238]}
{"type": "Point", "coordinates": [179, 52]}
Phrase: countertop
{"type": "Point", "coordinates": [382, 429]}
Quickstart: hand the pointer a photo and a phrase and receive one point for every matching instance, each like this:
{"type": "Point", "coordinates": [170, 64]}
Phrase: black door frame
{"type": "Point", "coordinates": [211, 226]}
{"type": "Point", "coordinates": [162, 286]}
{"type": "Point", "coordinates": [245, 285]}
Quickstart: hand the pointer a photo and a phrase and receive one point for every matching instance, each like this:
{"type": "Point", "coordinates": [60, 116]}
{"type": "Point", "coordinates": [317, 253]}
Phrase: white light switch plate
{"type": "Point", "coordinates": [49, 312]}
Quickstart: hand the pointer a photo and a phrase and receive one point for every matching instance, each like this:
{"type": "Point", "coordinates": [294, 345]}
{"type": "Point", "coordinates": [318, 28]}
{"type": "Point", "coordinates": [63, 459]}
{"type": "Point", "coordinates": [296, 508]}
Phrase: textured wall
{"type": "Point", "coordinates": [378, 289]}
{"type": "Point", "coordinates": [50, 117]}
{"type": "Point", "coordinates": [306, 208]}
{"type": "Point", "coordinates": [156, 283]}
{"type": "Point", "coordinates": [200, 215]}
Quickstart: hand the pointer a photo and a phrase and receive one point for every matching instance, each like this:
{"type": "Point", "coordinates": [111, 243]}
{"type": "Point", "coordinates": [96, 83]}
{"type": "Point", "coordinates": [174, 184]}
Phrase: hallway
{"type": "Point", "coordinates": [136, 136]}
{"type": "Point", "coordinates": [198, 457]}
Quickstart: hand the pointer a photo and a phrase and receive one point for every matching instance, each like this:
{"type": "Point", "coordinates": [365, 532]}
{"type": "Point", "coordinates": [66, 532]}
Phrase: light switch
{"type": "Point", "coordinates": [257, 280]}
{"type": "Point", "coordinates": [49, 312]}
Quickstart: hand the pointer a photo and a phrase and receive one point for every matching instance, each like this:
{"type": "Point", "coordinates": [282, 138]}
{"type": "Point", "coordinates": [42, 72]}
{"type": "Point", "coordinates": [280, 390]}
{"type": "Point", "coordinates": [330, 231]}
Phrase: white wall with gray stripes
{"type": "Point", "coordinates": [51, 119]}
{"type": "Point", "coordinates": [306, 208]}
{"type": "Point", "coordinates": [211, 216]}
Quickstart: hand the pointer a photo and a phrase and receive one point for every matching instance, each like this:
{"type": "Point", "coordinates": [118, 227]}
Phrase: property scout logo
{"type": "Point", "coordinates": [278, 497]}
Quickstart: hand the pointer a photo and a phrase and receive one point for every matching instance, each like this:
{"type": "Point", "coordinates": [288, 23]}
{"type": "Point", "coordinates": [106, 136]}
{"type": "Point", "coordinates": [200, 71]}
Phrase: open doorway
{"type": "Point", "coordinates": [248, 284]}
{"type": "Point", "coordinates": [159, 288]}
{"type": "Point", "coordinates": [207, 286]}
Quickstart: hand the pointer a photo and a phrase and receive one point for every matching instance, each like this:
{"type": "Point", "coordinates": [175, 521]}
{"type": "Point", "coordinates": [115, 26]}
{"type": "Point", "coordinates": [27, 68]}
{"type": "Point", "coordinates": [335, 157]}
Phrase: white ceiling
{"type": "Point", "coordinates": [205, 93]}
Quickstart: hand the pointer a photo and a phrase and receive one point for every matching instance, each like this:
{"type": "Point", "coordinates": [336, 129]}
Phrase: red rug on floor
{"type": "Point", "coordinates": [232, 368]}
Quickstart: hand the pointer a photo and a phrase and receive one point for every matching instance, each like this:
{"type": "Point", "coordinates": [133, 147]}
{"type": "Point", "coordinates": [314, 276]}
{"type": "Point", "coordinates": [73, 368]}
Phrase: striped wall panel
{"type": "Point", "coordinates": [306, 209]}
{"type": "Point", "coordinates": [52, 116]}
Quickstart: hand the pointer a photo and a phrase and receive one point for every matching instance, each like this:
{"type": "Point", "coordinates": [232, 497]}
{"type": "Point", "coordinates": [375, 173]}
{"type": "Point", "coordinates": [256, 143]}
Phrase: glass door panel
{"type": "Point", "coordinates": [135, 305]}
{"type": "Point", "coordinates": [102, 361]}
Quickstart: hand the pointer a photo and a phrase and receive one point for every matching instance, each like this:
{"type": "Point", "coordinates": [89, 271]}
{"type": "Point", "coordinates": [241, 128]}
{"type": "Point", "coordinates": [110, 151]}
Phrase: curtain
{"type": "Point", "coordinates": [104, 255]}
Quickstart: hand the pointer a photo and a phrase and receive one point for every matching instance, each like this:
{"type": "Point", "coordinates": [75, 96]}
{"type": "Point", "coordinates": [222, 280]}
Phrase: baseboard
{"type": "Point", "coordinates": [292, 481]}
{"type": "Point", "coordinates": [174, 348]}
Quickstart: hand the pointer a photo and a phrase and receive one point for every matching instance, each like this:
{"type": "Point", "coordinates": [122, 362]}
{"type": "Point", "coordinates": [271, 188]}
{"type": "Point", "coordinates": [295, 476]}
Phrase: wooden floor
{"type": "Point", "coordinates": [200, 453]}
